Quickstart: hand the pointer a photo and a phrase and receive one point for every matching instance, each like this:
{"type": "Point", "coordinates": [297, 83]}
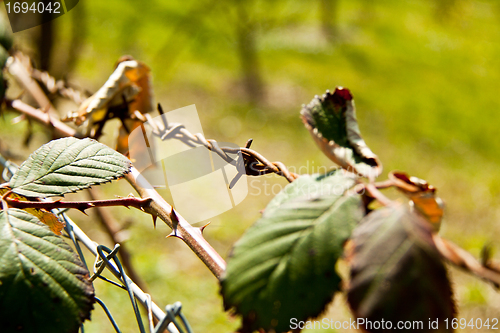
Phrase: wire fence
{"type": "Point", "coordinates": [172, 320]}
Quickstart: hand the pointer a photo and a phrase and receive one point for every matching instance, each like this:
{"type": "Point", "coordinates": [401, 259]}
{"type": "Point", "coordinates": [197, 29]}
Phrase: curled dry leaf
{"type": "Point", "coordinates": [331, 120]}
{"type": "Point", "coordinates": [422, 195]}
{"type": "Point", "coordinates": [127, 90]}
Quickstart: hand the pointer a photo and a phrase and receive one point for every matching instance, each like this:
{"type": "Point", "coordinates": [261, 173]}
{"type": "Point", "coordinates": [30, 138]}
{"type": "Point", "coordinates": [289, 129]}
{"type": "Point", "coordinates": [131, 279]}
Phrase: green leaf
{"type": "Point", "coordinates": [44, 287]}
{"type": "Point", "coordinates": [331, 120]}
{"type": "Point", "coordinates": [68, 165]}
{"type": "Point", "coordinates": [397, 273]}
{"type": "Point", "coordinates": [335, 182]}
{"type": "Point", "coordinates": [284, 265]}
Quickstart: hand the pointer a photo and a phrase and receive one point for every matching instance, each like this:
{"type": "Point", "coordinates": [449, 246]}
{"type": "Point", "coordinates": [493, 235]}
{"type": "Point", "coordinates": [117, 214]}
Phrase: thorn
{"type": "Point", "coordinates": [174, 234]}
{"type": "Point", "coordinates": [160, 109]}
{"type": "Point", "coordinates": [155, 217]}
{"type": "Point", "coordinates": [203, 228]}
{"type": "Point", "coordinates": [83, 210]}
{"type": "Point", "coordinates": [148, 200]}
{"type": "Point", "coordinates": [173, 215]}
{"type": "Point", "coordinates": [174, 219]}
{"type": "Point", "coordinates": [249, 143]}
{"type": "Point", "coordinates": [162, 115]}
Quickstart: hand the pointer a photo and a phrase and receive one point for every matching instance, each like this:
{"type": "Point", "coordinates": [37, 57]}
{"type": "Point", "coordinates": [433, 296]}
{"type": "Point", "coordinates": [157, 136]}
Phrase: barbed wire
{"type": "Point", "coordinates": [254, 163]}
{"type": "Point", "coordinates": [105, 258]}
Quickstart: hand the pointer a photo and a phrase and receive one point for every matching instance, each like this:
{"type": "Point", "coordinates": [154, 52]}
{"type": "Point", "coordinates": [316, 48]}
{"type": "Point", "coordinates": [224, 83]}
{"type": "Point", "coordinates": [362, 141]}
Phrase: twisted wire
{"type": "Point", "coordinates": [255, 163]}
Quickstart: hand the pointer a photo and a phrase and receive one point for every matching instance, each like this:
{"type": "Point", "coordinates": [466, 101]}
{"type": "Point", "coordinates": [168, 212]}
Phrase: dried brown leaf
{"type": "Point", "coordinates": [422, 195]}
{"type": "Point", "coordinates": [128, 89]}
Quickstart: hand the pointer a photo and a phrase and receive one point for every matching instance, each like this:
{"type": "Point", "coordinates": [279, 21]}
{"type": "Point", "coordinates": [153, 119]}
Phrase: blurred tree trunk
{"type": "Point", "coordinates": [78, 32]}
{"type": "Point", "coordinates": [69, 52]}
{"type": "Point", "coordinates": [329, 16]}
{"type": "Point", "coordinates": [60, 59]}
{"type": "Point", "coordinates": [46, 42]}
{"type": "Point", "coordinates": [247, 51]}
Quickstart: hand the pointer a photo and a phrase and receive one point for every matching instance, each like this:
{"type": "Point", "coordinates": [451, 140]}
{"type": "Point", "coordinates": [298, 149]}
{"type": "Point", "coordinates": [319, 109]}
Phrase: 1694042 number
{"type": "Point", "coordinates": [472, 323]}
{"type": "Point", "coordinates": [34, 7]}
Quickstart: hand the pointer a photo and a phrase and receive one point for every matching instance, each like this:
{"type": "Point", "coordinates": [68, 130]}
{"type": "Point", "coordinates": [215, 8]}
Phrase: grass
{"type": "Point", "coordinates": [426, 89]}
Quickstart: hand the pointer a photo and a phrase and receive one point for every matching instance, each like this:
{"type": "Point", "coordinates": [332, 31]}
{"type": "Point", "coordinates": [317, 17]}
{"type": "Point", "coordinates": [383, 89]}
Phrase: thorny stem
{"type": "Point", "coordinates": [80, 205]}
{"type": "Point", "coordinates": [192, 236]}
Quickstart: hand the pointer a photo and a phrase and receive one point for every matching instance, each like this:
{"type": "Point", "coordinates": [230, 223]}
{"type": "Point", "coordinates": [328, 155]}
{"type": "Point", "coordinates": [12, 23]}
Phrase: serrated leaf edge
{"type": "Point", "coordinates": [31, 193]}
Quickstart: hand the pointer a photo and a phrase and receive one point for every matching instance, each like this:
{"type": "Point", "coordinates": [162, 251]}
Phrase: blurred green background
{"type": "Point", "coordinates": [424, 75]}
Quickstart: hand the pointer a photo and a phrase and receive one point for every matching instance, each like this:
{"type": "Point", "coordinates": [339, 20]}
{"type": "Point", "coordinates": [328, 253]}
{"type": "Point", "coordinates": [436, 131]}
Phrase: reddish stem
{"type": "Point", "coordinates": [80, 205]}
